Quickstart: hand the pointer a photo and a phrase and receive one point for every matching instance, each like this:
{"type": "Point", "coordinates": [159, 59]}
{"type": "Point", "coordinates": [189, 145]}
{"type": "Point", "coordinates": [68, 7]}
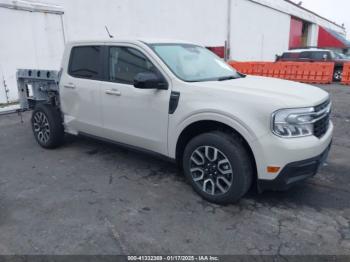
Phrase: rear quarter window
{"type": "Point", "coordinates": [86, 62]}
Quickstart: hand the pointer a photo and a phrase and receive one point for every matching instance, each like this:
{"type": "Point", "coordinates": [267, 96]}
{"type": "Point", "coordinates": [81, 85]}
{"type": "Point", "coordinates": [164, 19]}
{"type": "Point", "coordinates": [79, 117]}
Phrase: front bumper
{"type": "Point", "coordinates": [294, 173]}
{"type": "Point", "coordinates": [270, 150]}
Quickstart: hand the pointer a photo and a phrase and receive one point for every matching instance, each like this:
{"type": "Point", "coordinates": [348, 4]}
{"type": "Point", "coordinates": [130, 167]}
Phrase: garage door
{"type": "Point", "coordinates": [28, 40]}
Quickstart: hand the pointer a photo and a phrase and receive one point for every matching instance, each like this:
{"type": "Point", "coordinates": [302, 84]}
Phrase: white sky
{"type": "Point", "coordinates": [334, 10]}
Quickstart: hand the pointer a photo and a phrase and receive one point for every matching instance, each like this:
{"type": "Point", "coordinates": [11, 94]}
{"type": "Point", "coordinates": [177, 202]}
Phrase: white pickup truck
{"type": "Point", "coordinates": [227, 131]}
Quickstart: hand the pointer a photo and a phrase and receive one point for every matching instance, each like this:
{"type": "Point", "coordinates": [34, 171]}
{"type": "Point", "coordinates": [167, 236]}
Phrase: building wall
{"type": "Point", "coordinates": [202, 21]}
{"type": "Point", "coordinates": [293, 10]}
{"type": "Point", "coordinates": [29, 40]}
{"type": "Point", "coordinates": [257, 32]}
{"type": "Point", "coordinates": [253, 27]}
{"type": "Point", "coordinates": [35, 39]}
{"type": "Point", "coordinates": [295, 36]}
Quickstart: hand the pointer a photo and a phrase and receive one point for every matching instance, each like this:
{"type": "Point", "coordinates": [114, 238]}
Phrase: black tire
{"type": "Point", "coordinates": [230, 146]}
{"type": "Point", "coordinates": [47, 126]}
{"type": "Point", "coordinates": [338, 74]}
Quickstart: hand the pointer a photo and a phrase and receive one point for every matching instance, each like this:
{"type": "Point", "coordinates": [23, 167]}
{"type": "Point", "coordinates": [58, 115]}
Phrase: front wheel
{"type": "Point", "coordinates": [338, 75]}
{"type": "Point", "coordinates": [218, 167]}
{"type": "Point", "coordinates": [47, 126]}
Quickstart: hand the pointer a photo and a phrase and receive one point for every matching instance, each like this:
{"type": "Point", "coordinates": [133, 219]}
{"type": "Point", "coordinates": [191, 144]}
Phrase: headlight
{"type": "Point", "coordinates": [296, 122]}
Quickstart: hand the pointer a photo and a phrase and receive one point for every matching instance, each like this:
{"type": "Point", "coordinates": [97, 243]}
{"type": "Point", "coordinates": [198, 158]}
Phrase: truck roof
{"type": "Point", "coordinates": [306, 50]}
{"type": "Point", "coordinates": [128, 40]}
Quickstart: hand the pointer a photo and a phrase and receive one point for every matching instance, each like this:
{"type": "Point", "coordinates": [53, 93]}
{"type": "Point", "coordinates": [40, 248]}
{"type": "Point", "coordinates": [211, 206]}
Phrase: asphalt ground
{"type": "Point", "coordinates": [89, 197]}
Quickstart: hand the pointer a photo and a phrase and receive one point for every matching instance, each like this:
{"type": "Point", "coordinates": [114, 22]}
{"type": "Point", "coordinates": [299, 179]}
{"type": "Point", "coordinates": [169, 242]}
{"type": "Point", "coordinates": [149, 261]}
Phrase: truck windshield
{"type": "Point", "coordinates": [339, 55]}
{"type": "Point", "coordinates": [192, 63]}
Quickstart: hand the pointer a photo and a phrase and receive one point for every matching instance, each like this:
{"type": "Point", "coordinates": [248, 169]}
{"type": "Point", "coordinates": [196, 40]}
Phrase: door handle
{"type": "Point", "coordinates": [113, 92]}
{"type": "Point", "coordinates": [70, 86]}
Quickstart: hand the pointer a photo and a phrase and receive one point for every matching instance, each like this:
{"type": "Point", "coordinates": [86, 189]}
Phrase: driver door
{"type": "Point", "coordinates": [136, 117]}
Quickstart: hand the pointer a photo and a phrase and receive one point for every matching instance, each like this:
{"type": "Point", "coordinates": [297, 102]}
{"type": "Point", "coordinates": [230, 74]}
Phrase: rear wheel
{"type": "Point", "coordinates": [47, 126]}
{"type": "Point", "coordinates": [218, 167]}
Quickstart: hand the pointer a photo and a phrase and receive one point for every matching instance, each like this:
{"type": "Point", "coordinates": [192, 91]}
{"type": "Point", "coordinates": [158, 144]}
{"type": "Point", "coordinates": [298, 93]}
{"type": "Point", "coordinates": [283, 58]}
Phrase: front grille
{"type": "Point", "coordinates": [322, 106]}
{"type": "Point", "coordinates": [322, 125]}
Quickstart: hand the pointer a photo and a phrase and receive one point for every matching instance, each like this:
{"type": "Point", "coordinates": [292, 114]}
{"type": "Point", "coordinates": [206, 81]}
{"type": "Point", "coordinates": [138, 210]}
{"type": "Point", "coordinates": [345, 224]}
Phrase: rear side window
{"type": "Point", "coordinates": [125, 63]}
{"type": "Point", "coordinates": [305, 55]}
{"type": "Point", "coordinates": [85, 62]}
{"type": "Point", "coordinates": [290, 55]}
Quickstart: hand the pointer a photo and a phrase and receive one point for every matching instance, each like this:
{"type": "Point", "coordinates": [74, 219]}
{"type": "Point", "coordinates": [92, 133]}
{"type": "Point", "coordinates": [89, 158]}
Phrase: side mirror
{"type": "Point", "coordinates": [150, 80]}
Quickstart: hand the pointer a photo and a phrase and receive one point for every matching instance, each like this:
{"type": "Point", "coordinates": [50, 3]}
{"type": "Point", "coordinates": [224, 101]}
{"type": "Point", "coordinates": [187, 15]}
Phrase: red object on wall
{"type": "Point", "coordinates": [218, 50]}
{"type": "Point", "coordinates": [327, 38]}
{"type": "Point", "coordinates": [296, 33]}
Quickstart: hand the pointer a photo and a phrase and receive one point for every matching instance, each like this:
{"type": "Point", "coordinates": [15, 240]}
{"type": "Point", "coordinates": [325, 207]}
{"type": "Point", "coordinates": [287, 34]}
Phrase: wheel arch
{"type": "Point", "coordinates": [203, 126]}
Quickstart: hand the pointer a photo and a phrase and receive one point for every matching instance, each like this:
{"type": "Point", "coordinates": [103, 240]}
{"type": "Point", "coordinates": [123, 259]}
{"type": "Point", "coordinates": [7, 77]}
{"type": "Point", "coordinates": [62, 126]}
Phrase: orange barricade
{"type": "Point", "coordinates": [317, 73]}
{"type": "Point", "coordinates": [346, 74]}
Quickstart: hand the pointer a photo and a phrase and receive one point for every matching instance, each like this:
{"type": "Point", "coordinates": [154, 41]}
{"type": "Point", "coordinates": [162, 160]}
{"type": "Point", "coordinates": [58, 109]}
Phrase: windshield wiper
{"type": "Point", "coordinates": [224, 78]}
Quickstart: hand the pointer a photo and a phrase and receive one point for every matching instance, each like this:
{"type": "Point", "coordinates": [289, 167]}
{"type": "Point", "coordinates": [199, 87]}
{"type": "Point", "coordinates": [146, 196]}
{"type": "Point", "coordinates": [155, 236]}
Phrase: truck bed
{"type": "Point", "coordinates": [37, 86]}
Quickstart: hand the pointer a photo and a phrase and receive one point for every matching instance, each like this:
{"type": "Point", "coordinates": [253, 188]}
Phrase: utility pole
{"type": "Point", "coordinates": [228, 36]}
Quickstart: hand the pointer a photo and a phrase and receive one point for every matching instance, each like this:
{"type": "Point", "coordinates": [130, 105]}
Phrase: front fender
{"type": "Point", "coordinates": [235, 123]}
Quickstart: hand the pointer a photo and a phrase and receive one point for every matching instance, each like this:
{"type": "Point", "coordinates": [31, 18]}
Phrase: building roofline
{"type": "Point", "coordinates": [29, 6]}
{"type": "Point", "coordinates": [314, 13]}
{"type": "Point", "coordinates": [279, 8]}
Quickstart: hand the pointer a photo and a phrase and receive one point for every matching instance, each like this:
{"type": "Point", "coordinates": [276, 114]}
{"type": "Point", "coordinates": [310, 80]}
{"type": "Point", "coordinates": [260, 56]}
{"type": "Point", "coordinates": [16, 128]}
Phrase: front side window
{"type": "Point", "coordinates": [125, 63]}
{"type": "Point", "coordinates": [85, 62]}
{"type": "Point", "coordinates": [320, 55]}
{"type": "Point", "coordinates": [192, 63]}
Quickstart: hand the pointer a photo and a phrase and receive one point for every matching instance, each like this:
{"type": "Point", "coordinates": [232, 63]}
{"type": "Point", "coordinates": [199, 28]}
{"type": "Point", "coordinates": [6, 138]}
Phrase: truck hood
{"type": "Point", "coordinates": [287, 93]}
{"type": "Point", "coordinates": [342, 60]}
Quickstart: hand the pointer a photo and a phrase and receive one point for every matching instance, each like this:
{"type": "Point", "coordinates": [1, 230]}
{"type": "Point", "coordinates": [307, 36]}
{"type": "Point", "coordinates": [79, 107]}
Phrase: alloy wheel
{"type": "Point", "coordinates": [41, 127]}
{"type": "Point", "coordinates": [338, 75]}
{"type": "Point", "coordinates": [211, 170]}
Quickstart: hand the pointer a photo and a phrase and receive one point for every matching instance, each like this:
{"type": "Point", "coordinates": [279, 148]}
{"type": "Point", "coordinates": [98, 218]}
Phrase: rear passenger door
{"type": "Point", "coordinates": [137, 117]}
{"type": "Point", "coordinates": [80, 90]}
